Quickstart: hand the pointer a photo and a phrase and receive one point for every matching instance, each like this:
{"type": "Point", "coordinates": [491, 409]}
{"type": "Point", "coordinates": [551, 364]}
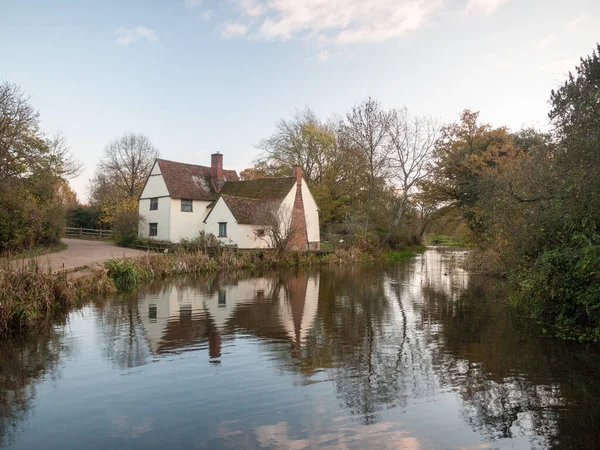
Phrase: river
{"type": "Point", "coordinates": [419, 355]}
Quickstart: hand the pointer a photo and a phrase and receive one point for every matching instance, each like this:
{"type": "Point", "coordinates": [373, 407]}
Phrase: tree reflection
{"type": "Point", "coordinates": [510, 378]}
{"type": "Point", "coordinates": [24, 362]}
{"type": "Point", "coordinates": [122, 332]}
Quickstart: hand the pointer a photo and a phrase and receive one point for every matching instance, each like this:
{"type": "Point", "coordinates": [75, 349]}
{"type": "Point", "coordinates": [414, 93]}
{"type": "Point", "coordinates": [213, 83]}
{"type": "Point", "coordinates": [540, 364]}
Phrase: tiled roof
{"type": "Point", "coordinates": [190, 181]}
{"type": "Point", "coordinates": [261, 189]}
{"type": "Point", "coordinates": [248, 211]}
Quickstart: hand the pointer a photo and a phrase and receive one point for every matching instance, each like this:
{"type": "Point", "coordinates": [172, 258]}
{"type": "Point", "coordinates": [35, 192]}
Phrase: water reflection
{"type": "Point", "coordinates": [419, 355]}
{"type": "Point", "coordinates": [23, 363]}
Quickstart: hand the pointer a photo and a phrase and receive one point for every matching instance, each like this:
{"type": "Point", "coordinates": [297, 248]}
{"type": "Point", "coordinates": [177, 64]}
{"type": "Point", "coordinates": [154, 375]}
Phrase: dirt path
{"type": "Point", "coordinates": [82, 253]}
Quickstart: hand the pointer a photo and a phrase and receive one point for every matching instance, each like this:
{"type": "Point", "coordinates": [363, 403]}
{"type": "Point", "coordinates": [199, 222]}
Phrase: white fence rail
{"type": "Point", "coordinates": [87, 233]}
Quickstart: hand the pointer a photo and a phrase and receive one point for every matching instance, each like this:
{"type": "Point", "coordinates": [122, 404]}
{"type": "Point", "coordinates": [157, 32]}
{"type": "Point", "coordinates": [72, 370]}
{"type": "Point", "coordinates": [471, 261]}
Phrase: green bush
{"type": "Point", "coordinates": [399, 256]}
{"type": "Point", "coordinates": [562, 287]}
{"type": "Point", "coordinates": [126, 228]}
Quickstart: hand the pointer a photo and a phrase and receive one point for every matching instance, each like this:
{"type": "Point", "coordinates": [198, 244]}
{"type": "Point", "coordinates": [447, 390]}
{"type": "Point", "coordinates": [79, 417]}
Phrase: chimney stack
{"type": "Point", "coordinates": [216, 166]}
{"type": "Point", "coordinates": [297, 174]}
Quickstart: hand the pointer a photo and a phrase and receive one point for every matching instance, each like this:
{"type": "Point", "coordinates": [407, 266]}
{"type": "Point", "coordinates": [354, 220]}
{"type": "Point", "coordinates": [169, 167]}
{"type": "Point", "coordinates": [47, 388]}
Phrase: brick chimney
{"type": "Point", "coordinates": [216, 166]}
{"type": "Point", "coordinates": [297, 174]}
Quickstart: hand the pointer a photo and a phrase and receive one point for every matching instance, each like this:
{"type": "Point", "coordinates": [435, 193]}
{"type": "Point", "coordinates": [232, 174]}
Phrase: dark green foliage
{"type": "Point", "coordinates": [399, 256]}
{"type": "Point", "coordinates": [558, 281]}
{"type": "Point", "coordinates": [33, 170]}
{"type": "Point", "coordinates": [562, 287]}
{"type": "Point", "coordinates": [126, 228]}
{"type": "Point", "coordinates": [84, 216]}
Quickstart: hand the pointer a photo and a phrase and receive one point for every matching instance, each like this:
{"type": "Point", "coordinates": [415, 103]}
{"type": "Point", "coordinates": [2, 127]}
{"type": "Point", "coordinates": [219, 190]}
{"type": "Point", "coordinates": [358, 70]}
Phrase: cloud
{"type": "Point", "coordinates": [323, 55]}
{"type": "Point", "coordinates": [126, 36]}
{"type": "Point", "coordinates": [207, 15]}
{"type": "Point", "coordinates": [573, 24]}
{"type": "Point", "coordinates": [486, 7]}
{"type": "Point", "coordinates": [343, 21]}
{"type": "Point", "coordinates": [233, 29]}
{"type": "Point", "coordinates": [542, 43]}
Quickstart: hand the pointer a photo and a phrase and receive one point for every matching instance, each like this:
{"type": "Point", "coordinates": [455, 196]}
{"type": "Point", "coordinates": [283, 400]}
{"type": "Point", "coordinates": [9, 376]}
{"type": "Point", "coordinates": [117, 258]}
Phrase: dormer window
{"type": "Point", "coordinates": [187, 205]}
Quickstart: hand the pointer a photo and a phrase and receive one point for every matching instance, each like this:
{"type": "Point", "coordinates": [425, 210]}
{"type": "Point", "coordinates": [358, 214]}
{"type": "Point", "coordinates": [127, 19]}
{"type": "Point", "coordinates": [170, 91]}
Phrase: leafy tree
{"type": "Point", "coordinates": [34, 170]}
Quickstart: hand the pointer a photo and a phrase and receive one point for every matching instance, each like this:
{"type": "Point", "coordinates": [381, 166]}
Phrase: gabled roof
{"type": "Point", "coordinates": [190, 181]}
{"type": "Point", "coordinates": [247, 211]}
{"type": "Point", "coordinates": [248, 199]}
{"type": "Point", "coordinates": [261, 189]}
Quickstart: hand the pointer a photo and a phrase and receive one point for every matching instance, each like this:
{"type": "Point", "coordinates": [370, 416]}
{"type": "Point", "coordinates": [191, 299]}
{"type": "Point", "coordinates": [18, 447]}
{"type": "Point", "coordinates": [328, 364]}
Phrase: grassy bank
{"type": "Point", "coordinates": [129, 273]}
{"type": "Point", "coordinates": [30, 296]}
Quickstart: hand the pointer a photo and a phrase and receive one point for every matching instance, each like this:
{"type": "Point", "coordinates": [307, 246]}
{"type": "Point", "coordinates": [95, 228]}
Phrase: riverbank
{"type": "Point", "coordinates": [30, 294]}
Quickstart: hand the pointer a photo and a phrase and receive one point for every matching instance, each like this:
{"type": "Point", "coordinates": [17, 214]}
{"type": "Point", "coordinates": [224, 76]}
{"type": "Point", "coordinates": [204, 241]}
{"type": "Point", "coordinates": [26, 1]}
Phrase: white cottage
{"type": "Point", "coordinates": [180, 200]}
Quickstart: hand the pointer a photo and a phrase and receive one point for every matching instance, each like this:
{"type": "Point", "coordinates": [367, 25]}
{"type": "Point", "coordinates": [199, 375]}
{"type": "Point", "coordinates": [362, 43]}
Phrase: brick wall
{"type": "Point", "coordinates": [299, 240]}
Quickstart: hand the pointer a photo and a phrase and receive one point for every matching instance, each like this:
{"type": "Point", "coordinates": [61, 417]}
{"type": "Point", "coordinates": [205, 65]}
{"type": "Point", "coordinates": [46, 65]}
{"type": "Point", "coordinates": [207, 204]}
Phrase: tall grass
{"type": "Point", "coordinates": [29, 294]}
{"type": "Point", "coordinates": [129, 273]}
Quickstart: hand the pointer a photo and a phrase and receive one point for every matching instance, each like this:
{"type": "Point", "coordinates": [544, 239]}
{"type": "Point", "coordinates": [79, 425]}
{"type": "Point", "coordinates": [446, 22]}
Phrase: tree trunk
{"type": "Point", "coordinates": [396, 221]}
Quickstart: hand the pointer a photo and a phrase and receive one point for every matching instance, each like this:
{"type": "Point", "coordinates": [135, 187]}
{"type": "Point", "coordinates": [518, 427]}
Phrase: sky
{"type": "Point", "coordinates": [201, 76]}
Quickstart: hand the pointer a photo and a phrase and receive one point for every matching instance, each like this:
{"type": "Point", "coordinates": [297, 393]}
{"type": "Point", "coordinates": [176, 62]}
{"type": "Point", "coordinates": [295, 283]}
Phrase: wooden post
{"type": "Point", "coordinates": [100, 233]}
{"type": "Point", "coordinates": [80, 232]}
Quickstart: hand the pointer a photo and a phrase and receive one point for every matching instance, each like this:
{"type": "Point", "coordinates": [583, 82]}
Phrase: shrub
{"type": "Point", "coordinates": [399, 256]}
{"type": "Point", "coordinates": [126, 228]}
{"type": "Point", "coordinates": [562, 287]}
{"type": "Point", "coordinates": [203, 242]}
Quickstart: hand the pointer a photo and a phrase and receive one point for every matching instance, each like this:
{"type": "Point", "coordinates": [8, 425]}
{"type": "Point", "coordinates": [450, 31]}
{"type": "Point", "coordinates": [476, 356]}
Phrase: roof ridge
{"type": "Point", "coordinates": [264, 178]}
{"type": "Point", "coordinates": [183, 163]}
{"type": "Point", "coordinates": [243, 198]}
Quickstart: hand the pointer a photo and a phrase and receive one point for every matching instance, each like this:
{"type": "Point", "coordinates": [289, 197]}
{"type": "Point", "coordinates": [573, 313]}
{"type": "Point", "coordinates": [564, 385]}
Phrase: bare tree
{"type": "Point", "coordinates": [366, 129]}
{"type": "Point", "coordinates": [61, 162]}
{"type": "Point", "coordinates": [412, 140]}
{"type": "Point", "coordinates": [128, 161]}
{"type": "Point", "coordinates": [121, 174]}
{"type": "Point", "coordinates": [279, 227]}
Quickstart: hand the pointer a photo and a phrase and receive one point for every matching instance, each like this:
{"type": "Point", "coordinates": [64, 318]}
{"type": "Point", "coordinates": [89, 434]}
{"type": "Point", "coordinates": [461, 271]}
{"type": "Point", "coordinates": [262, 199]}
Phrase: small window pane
{"type": "Point", "coordinates": [222, 229]}
{"type": "Point", "coordinates": [153, 229]}
{"type": "Point", "coordinates": [153, 204]}
{"type": "Point", "coordinates": [186, 205]}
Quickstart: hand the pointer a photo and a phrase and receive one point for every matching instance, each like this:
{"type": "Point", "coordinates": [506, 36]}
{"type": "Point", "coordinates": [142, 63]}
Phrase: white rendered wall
{"type": "Point", "coordinates": [155, 187]}
{"type": "Point", "coordinates": [237, 234]}
{"type": "Point", "coordinates": [246, 237]}
{"type": "Point", "coordinates": [159, 216]}
{"type": "Point", "coordinates": [287, 207]}
{"type": "Point", "coordinates": [187, 224]}
{"type": "Point", "coordinates": [311, 214]}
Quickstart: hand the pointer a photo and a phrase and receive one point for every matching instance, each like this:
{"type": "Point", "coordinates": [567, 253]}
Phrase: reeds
{"type": "Point", "coordinates": [29, 294]}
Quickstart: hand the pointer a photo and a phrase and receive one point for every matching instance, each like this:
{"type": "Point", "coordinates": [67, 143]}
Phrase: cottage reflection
{"type": "Point", "coordinates": [190, 316]}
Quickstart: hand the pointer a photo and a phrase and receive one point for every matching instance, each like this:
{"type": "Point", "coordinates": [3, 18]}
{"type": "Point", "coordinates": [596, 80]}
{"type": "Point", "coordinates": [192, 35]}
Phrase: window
{"type": "Point", "coordinates": [154, 204]}
{"type": "Point", "coordinates": [153, 229]}
{"type": "Point", "coordinates": [222, 229]}
{"type": "Point", "coordinates": [222, 298]}
{"type": "Point", "coordinates": [186, 205]}
{"type": "Point", "coordinates": [152, 310]}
